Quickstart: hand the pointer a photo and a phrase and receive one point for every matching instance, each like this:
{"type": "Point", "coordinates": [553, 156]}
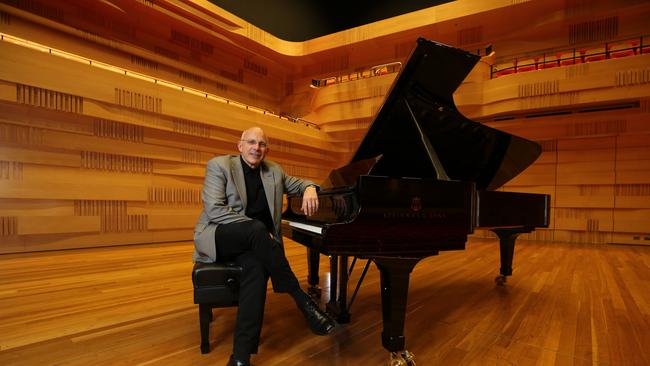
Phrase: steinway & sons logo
{"type": "Point", "coordinates": [415, 212]}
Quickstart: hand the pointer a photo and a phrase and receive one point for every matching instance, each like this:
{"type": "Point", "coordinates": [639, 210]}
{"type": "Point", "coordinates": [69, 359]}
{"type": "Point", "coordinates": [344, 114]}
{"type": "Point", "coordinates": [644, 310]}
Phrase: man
{"type": "Point", "coordinates": [242, 204]}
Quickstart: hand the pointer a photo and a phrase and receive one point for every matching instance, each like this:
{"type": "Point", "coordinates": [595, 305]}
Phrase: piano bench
{"type": "Point", "coordinates": [216, 285]}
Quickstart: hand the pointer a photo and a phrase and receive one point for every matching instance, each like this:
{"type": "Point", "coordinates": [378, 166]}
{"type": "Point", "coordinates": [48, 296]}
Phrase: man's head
{"type": "Point", "coordinates": [253, 146]}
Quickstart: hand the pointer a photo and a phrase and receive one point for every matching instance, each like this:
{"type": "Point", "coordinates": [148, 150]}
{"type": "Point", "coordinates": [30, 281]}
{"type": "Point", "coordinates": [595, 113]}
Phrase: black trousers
{"type": "Point", "coordinates": [250, 245]}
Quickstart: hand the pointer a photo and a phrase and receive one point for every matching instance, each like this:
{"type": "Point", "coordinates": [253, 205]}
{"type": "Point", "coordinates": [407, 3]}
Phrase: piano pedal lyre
{"type": "Point", "coordinates": [401, 358]}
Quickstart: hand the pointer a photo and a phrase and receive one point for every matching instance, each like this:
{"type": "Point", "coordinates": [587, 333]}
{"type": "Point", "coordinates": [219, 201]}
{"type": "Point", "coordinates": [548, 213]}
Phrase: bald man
{"type": "Point", "coordinates": [240, 222]}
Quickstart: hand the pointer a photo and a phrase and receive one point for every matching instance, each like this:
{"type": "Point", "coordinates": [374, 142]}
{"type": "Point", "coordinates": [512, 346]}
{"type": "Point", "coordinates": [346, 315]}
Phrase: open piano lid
{"type": "Point", "coordinates": [419, 132]}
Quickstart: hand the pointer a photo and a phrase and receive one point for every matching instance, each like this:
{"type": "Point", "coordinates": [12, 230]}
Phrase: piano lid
{"type": "Point", "coordinates": [419, 132]}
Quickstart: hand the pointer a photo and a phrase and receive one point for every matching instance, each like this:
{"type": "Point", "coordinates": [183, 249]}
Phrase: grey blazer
{"type": "Point", "coordinates": [224, 199]}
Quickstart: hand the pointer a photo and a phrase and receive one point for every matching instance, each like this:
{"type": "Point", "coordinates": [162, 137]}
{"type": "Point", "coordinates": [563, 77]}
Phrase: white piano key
{"type": "Point", "coordinates": [311, 228]}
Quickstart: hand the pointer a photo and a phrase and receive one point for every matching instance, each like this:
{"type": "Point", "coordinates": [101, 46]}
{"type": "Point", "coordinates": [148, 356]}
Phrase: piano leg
{"type": "Point", "coordinates": [334, 275]}
{"type": "Point", "coordinates": [344, 311]}
{"type": "Point", "coordinates": [313, 264]}
{"type": "Point", "coordinates": [507, 238]}
{"type": "Point", "coordinates": [395, 274]}
{"type": "Point", "coordinates": [338, 302]}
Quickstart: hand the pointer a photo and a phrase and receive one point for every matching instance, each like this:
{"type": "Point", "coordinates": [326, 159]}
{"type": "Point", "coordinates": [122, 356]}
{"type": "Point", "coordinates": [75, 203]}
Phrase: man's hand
{"type": "Point", "coordinates": [310, 201]}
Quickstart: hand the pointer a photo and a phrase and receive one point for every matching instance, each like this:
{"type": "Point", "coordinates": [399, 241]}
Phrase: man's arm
{"type": "Point", "coordinates": [309, 190]}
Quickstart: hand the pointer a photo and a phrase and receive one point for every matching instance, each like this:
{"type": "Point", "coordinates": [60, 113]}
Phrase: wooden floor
{"type": "Point", "coordinates": [566, 304]}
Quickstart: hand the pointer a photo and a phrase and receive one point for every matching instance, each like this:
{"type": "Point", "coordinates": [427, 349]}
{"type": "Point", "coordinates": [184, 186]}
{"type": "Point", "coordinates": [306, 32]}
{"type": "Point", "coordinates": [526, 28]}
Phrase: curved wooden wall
{"type": "Point", "coordinates": [106, 145]}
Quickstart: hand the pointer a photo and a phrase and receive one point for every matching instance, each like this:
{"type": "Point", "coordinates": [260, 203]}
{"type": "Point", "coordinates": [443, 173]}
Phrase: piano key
{"type": "Point", "coordinates": [311, 228]}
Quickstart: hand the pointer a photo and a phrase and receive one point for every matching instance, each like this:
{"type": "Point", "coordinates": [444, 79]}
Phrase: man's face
{"type": "Point", "coordinates": [253, 146]}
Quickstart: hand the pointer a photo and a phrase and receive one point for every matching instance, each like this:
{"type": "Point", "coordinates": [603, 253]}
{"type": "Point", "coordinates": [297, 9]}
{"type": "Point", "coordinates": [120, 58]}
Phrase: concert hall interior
{"type": "Point", "coordinates": [110, 109]}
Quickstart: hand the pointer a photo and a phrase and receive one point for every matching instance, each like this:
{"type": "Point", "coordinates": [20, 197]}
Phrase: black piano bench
{"type": "Point", "coordinates": [216, 285]}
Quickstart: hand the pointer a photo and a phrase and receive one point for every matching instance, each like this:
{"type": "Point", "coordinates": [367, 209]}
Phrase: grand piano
{"type": "Point", "coordinates": [423, 178]}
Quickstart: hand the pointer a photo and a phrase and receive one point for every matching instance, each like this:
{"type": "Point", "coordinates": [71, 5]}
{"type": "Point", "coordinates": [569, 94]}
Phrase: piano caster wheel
{"type": "Point", "coordinates": [408, 357]}
{"type": "Point", "coordinates": [396, 359]}
{"type": "Point", "coordinates": [401, 358]}
{"type": "Point", "coordinates": [314, 292]}
{"type": "Point", "coordinates": [500, 280]}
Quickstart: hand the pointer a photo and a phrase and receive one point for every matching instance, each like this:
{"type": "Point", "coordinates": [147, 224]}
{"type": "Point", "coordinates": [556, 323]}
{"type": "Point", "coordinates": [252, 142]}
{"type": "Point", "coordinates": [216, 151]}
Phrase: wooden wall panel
{"type": "Point", "coordinates": [632, 171]}
{"type": "Point", "coordinates": [584, 219]}
{"type": "Point", "coordinates": [32, 225]}
{"type": "Point", "coordinates": [29, 243]}
{"type": "Point", "coordinates": [588, 196]}
{"type": "Point", "coordinates": [586, 173]}
{"type": "Point", "coordinates": [45, 207]}
{"type": "Point", "coordinates": [632, 221]}
{"type": "Point", "coordinates": [634, 239]}
{"type": "Point", "coordinates": [632, 196]}
{"type": "Point", "coordinates": [172, 221]}
{"type": "Point", "coordinates": [69, 191]}
{"type": "Point", "coordinates": [39, 156]}
{"type": "Point", "coordinates": [585, 237]}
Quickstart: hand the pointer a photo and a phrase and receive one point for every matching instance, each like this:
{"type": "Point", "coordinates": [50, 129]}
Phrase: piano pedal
{"type": "Point", "coordinates": [314, 292]}
{"type": "Point", "coordinates": [500, 280]}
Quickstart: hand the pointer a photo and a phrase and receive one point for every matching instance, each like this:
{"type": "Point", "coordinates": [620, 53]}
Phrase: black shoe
{"type": "Point", "coordinates": [234, 362]}
{"type": "Point", "coordinates": [319, 322]}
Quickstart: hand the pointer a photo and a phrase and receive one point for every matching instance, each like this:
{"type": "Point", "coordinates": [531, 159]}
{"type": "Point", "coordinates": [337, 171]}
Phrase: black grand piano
{"type": "Point", "coordinates": [422, 179]}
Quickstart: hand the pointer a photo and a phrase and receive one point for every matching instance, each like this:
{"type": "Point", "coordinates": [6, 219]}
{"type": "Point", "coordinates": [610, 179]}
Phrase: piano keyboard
{"type": "Point", "coordinates": [311, 228]}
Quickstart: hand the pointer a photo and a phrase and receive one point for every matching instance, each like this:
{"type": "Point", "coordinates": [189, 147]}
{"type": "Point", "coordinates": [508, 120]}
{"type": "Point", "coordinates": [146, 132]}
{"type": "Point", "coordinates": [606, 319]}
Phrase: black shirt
{"type": "Point", "coordinates": [257, 207]}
